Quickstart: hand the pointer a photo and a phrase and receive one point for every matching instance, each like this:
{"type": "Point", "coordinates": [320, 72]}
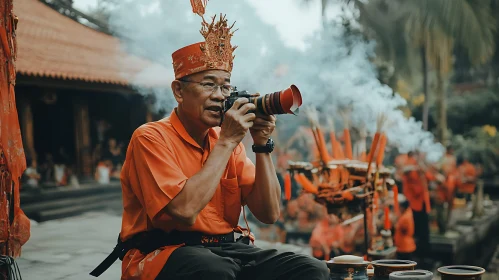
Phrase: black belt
{"type": "Point", "coordinates": [148, 241]}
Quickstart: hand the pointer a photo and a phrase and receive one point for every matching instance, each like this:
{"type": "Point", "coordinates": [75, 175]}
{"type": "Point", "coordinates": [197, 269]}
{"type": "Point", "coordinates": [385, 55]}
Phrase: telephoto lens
{"type": "Point", "coordinates": [287, 101]}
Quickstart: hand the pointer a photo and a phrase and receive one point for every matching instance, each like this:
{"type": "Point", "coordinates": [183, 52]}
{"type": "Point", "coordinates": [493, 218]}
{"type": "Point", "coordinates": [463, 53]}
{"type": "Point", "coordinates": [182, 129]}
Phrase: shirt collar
{"type": "Point", "coordinates": [179, 127]}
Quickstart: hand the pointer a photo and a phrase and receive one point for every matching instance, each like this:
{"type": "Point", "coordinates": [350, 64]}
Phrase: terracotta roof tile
{"type": "Point", "coordinates": [53, 45]}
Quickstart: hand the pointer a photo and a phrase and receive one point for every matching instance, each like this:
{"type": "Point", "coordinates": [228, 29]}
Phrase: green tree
{"type": "Point", "coordinates": [435, 27]}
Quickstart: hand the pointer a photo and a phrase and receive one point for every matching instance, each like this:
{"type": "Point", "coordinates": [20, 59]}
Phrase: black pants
{"type": "Point", "coordinates": [422, 232]}
{"type": "Point", "coordinates": [242, 262]}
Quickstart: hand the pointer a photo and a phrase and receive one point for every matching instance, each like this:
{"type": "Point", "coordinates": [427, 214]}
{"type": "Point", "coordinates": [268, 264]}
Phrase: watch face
{"type": "Point", "coordinates": [270, 143]}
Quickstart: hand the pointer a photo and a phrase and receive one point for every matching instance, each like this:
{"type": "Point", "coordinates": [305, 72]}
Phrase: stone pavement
{"type": "Point", "coordinates": [70, 248]}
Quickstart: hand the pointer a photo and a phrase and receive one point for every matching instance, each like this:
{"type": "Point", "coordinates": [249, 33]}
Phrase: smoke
{"type": "Point", "coordinates": [333, 72]}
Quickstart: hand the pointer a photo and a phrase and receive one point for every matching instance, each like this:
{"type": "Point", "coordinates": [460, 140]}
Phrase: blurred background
{"type": "Point", "coordinates": [89, 72]}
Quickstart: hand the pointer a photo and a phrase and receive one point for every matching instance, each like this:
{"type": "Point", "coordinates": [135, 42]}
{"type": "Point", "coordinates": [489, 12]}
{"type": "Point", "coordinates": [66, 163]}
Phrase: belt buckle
{"type": "Point", "coordinates": [206, 239]}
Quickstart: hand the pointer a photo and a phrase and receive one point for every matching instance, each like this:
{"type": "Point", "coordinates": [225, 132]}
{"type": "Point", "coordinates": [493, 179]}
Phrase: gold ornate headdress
{"type": "Point", "coordinates": [216, 52]}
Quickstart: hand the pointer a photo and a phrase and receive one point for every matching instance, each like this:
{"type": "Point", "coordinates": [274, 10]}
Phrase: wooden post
{"type": "Point", "coordinates": [13, 235]}
{"type": "Point", "coordinates": [82, 137]}
{"type": "Point", "coordinates": [27, 131]}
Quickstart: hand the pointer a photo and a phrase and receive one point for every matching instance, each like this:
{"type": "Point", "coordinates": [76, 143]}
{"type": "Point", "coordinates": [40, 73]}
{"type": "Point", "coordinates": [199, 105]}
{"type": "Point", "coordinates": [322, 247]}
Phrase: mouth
{"type": "Point", "coordinates": [214, 108]}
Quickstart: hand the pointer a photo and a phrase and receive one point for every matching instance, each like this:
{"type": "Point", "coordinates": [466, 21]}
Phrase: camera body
{"type": "Point", "coordinates": [234, 95]}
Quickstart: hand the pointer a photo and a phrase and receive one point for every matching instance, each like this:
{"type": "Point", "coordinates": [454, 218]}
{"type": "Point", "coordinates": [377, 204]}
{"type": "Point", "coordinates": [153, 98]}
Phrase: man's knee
{"type": "Point", "coordinates": [312, 268]}
{"type": "Point", "coordinates": [318, 269]}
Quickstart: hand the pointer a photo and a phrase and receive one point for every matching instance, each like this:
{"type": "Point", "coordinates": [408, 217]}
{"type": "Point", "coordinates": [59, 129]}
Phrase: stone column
{"type": "Point", "coordinates": [82, 137]}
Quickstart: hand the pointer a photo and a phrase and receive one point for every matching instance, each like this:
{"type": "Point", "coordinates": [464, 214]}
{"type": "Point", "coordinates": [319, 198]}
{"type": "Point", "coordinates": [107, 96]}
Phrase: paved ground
{"type": "Point", "coordinates": [70, 248]}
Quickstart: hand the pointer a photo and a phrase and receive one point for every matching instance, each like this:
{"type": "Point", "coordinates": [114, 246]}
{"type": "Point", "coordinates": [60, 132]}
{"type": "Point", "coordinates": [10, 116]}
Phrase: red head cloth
{"type": "Point", "coordinates": [215, 53]}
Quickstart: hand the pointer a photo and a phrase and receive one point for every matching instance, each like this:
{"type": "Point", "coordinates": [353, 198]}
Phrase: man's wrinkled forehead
{"type": "Point", "coordinates": [219, 76]}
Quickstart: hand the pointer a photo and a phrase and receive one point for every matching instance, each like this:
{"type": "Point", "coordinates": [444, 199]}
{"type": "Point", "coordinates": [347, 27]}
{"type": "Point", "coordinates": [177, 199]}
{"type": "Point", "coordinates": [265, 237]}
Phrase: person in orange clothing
{"type": "Point", "coordinates": [404, 233]}
{"type": "Point", "coordinates": [326, 238]}
{"type": "Point", "coordinates": [437, 186]}
{"type": "Point", "coordinates": [416, 192]}
{"type": "Point", "coordinates": [467, 178]}
{"type": "Point", "coordinates": [449, 162]}
{"type": "Point", "coordinates": [185, 180]}
{"type": "Point", "coordinates": [444, 200]}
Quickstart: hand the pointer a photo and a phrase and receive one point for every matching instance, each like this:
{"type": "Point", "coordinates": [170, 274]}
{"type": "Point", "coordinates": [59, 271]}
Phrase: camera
{"type": "Point", "coordinates": [286, 101]}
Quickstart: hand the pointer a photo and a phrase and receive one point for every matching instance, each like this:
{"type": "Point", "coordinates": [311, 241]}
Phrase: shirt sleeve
{"type": "Point", "coordinates": [245, 171]}
{"type": "Point", "coordinates": [155, 176]}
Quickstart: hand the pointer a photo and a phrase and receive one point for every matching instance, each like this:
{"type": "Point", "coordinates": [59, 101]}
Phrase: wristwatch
{"type": "Point", "coordinates": [267, 148]}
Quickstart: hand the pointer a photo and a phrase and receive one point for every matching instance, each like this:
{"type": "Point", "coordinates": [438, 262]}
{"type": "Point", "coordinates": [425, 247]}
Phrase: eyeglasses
{"type": "Point", "coordinates": [212, 87]}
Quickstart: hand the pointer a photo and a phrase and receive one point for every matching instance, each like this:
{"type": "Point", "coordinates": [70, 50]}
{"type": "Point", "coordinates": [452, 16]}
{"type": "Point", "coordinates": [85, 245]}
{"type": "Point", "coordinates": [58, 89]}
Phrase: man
{"type": "Point", "coordinates": [449, 161]}
{"type": "Point", "coordinates": [184, 180]}
{"type": "Point", "coordinates": [415, 189]}
{"type": "Point", "coordinates": [467, 178]}
{"type": "Point", "coordinates": [404, 233]}
{"type": "Point", "coordinates": [445, 200]}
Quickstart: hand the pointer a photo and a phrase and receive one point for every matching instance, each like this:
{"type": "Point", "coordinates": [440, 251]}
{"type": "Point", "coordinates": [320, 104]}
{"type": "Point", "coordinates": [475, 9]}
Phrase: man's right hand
{"type": "Point", "coordinates": [236, 122]}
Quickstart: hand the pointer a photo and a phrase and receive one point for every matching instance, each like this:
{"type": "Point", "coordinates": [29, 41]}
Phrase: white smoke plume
{"type": "Point", "coordinates": [335, 71]}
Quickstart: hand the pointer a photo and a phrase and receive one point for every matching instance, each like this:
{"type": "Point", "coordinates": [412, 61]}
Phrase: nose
{"type": "Point", "coordinates": [218, 94]}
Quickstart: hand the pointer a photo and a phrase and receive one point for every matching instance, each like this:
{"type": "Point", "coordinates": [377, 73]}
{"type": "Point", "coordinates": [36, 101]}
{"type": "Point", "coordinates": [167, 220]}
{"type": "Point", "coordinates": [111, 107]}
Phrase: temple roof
{"type": "Point", "coordinates": [52, 45]}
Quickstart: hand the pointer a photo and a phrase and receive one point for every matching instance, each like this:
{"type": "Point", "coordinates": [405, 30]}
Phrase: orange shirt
{"type": "Point", "coordinates": [445, 190]}
{"type": "Point", "coordinates": [468, 174]}
{"type": "Point", "coordinates": [415, 186]}
{"type": "Point", "coordinates": [404, 232]}
{"type": "Point", "coordinates": [451, 183]}
{"type": "Point", "coordinates": [160, 159]}
{"type": "Point", "coordinates": [448, 164]}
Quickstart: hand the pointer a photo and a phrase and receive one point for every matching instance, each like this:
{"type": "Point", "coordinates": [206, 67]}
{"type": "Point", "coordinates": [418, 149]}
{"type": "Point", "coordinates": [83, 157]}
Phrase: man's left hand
{"type": "Point", "coordinates": [262, 128]}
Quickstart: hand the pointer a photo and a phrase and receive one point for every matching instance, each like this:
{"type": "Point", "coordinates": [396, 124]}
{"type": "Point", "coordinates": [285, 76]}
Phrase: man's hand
{"type": "Point", "coordinates": [262, 128]}
{"type": "Point", "coordinates": [237, 121]}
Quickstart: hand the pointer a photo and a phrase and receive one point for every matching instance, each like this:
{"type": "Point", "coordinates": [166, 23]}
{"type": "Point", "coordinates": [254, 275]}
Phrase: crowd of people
{"type": "Point", "coordinates": [108, 161]}
{"type": "Point", "coordinates": [59, 169]}
{"type": "Point", "coordinates": [50, 170]}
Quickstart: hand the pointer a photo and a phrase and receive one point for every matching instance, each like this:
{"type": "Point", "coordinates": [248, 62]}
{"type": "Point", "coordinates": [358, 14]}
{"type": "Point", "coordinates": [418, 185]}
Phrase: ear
{"type": "Point", "coordinates": [177, 91]}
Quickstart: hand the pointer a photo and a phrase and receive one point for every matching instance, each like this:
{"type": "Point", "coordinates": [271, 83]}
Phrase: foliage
{"type": "Point", "coordinates": [439, 23]}
{"type": "Point", "coordinates": [477, 108]}
{"type": "Point", "coordinates": [481, 146]}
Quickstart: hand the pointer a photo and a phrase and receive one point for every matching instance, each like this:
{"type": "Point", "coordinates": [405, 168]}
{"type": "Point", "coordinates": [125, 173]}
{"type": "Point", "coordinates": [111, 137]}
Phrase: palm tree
{"type": "Point", "coordinates": [435, 27]}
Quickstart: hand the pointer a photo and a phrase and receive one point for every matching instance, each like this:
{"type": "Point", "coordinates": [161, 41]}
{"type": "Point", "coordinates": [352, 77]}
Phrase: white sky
{"type": "Point", "coordinates": [293, 20]}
